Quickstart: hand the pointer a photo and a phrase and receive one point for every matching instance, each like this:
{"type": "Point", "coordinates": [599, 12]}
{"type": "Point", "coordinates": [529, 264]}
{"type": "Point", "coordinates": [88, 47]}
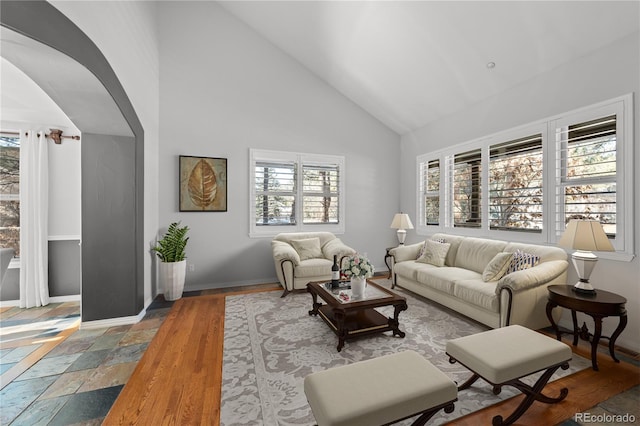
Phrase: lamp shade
{"type": "Point", "coordinates": [401, 221]}
{"type": "Point", "coordinates": [585, 235]}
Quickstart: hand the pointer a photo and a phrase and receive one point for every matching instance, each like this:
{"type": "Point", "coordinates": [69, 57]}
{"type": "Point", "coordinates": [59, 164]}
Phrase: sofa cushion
{"type": "Point", "coordinates": [478, 292]}
{"type": "Point", "coordinates": [313, 268]}
{"type": "Point", "coordinates": [308, 248]}
{"type": "Point", "coordinates": [497, 267]}
{"type": "Point", "coordinates": [522, 260]}
{"type": "Point", "coordinates": [443, 278]}
{"type": "Point", "coordinates": [434, 253]}
{"type": "Point", "coordinates": [476, 253]}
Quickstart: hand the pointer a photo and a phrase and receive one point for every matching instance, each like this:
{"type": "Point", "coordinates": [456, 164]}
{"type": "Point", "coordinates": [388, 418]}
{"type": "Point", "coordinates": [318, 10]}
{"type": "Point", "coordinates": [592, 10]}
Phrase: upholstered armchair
{"type": "Point", "coordinates": [303, 257]}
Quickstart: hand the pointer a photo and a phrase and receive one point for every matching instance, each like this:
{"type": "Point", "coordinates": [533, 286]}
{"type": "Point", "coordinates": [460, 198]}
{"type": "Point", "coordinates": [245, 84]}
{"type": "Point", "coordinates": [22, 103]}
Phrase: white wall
{"type": "Point", "coordinates": [610, 72]}
{"type": "Point", "coordinates": [223, 90]}
{"type": "Point", "coordinates": [125, 32]}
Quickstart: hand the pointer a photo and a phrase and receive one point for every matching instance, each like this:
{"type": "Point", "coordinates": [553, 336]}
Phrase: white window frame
{"type": "Point", "coordinates": [622, 107]}
{"type": "Point", "coordinates": [624, 244]}
{"type": "Point", "coordinates": [300, 159]}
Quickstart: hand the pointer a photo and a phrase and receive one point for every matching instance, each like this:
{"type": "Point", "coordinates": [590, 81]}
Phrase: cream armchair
{"type": "Point", "coordinates": [303, 257]}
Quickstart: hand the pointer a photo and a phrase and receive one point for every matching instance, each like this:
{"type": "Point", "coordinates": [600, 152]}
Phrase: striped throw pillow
{"type": "Point", "coordinates": [522, 260]}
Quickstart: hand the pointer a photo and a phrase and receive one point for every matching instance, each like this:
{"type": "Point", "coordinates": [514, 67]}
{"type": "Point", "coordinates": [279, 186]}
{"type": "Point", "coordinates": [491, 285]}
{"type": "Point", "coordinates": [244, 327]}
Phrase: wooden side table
{"type": "Point", "coordinates": [386, 260]}
{"type": "Point", "coordinates": [599, 305]}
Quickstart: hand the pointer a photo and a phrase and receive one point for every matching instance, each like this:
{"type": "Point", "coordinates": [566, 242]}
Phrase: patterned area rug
{"type": "Point", "coordinates": [271, 344]}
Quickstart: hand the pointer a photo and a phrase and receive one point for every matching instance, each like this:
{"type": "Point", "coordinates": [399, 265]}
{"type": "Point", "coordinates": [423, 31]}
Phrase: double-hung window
{"type": "Point", "coordinates": [296, 192]}
{"type": "Point", "coordinates": [10, 193]}
{"type": "Point", "coordinates": [515, 184]}
{"type": "Point", "coordinates": [429, 176]}
{"type": "Point", "coordinates": [593, 169]}
{"type": "Point", "coordinates": [467, 189]}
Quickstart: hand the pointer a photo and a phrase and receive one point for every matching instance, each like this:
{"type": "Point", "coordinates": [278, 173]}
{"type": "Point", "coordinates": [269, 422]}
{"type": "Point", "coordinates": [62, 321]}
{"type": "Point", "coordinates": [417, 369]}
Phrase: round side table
{"type": "Point", "coordinates": [599, 305]}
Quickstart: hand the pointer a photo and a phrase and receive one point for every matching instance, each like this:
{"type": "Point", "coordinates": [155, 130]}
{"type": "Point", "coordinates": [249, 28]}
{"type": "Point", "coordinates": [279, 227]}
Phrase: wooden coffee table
{"type": "Point", "coordinates": [356, 317]}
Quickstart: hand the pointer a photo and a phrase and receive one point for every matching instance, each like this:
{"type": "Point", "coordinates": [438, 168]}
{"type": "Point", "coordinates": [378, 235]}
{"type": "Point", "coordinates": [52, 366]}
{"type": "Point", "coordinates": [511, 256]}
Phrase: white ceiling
{"type": "Point", "coordinates": [410, 63]}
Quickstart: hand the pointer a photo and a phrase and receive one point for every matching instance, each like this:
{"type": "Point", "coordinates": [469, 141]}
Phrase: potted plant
{"type": "Point", "coordinates": [173, 265]}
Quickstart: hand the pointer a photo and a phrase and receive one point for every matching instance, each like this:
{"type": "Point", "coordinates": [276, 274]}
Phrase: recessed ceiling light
{"type": "Point", "coordinates": [491, 65]}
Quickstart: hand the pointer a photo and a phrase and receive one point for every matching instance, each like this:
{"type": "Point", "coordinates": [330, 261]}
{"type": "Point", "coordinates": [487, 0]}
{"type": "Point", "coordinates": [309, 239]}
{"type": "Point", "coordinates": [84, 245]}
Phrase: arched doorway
{"type": "Point", "coordinates": [112, 160]}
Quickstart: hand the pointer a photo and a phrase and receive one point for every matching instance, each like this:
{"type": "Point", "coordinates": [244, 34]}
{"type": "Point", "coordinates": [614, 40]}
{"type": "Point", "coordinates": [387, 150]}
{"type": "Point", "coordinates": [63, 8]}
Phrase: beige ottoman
{"type": "Point", "coordinates": [379, 391]}
{"type": "Point", "coordinates": [504, 355]}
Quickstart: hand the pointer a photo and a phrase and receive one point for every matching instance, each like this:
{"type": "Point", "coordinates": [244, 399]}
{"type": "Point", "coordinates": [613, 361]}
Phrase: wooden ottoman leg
{"type": "Point", "coordinates": [424, 418]}
{"type": "Point", "coordinates": [532, 394]}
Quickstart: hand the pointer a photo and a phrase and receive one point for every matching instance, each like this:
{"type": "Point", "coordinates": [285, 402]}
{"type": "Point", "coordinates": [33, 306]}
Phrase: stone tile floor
{"type": "Point", "coordinates": [77, 382]}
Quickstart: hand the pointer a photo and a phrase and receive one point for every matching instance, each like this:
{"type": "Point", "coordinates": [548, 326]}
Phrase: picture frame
{"type": "Point", "coordinates": [203, 184]}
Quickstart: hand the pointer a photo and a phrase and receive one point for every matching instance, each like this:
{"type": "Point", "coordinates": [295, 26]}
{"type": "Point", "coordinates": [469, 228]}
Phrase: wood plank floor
{"type": "Point", "coordinates": [178, 380]}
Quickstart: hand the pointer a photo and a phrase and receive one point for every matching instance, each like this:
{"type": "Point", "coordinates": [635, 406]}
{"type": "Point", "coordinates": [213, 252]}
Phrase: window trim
{"type": "Point", "coordinates": [622, 106]}
{"type": "Point", "coordinates": [300, 159]}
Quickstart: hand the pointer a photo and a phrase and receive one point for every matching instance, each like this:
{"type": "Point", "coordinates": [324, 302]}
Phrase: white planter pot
{"type": "Point", "coordinates": [172, 276]}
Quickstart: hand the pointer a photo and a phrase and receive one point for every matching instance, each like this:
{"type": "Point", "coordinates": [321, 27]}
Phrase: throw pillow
{"type": "Point", "coordinates": [424, 247]}
{"type": "Point", "coordinates": [497, 267]}
{"type": "Point", "coordinates": [308, 248]}
{"type": "Point", "coordinates": [522, 260]}
{"type": "Point", "coordinates": [435, 253]}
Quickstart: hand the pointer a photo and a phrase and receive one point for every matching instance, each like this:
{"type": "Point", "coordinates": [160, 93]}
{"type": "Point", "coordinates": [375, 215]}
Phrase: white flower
{"type": "Point", "coordinates": [357, 266]}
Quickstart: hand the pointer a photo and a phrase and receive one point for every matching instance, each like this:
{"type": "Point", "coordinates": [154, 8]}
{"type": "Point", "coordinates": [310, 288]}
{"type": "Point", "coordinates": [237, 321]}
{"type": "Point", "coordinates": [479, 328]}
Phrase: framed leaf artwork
{"type": "Point", "coordinates": [203, 184]}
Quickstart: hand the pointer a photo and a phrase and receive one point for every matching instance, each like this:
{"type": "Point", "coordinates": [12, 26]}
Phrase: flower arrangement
{"type": "Point", "coordinates": [357, 266]}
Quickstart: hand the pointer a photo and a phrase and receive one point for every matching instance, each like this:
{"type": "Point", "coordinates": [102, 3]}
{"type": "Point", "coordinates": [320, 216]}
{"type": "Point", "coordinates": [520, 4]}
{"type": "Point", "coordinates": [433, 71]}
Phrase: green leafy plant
{"type": "Point", "coordinates": [171, 247]}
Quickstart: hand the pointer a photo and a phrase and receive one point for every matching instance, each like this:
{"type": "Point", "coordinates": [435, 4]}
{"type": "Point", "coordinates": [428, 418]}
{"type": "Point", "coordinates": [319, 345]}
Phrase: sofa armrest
{"type": "Point", "coordinates": [283, 251]}
{"type": "Point", "coordinates": [336, 247]}
{"type": "Point", "coordinates": [404, 253]}
{"type": "Point", "coordinates": [533, 277]}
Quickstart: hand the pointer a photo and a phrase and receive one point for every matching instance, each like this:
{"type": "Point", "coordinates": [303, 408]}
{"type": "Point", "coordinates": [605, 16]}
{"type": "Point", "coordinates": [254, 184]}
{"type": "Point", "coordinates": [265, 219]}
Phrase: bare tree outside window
{"type": "Point", "coordinates": [10, 193]}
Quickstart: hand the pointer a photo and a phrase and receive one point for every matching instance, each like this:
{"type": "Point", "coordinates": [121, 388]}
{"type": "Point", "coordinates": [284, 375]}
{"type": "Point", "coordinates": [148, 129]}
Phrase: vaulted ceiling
{"type": "Point", "coordinates": [409, 63]}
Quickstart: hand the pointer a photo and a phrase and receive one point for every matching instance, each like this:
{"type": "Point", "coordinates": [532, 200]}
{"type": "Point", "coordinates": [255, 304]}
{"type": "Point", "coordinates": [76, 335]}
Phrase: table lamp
{"type": "Point", "coordinates": [585, 236]}
{"type": "Point", "coordinates": [401, 222]}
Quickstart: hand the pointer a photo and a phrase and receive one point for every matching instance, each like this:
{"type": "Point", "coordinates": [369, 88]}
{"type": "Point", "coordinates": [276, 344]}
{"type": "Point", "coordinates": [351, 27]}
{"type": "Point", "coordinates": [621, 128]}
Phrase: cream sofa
{"type": "Point", "coordinates": [518, 297]}
{"type": "Point", "coordinates": [299, 261]}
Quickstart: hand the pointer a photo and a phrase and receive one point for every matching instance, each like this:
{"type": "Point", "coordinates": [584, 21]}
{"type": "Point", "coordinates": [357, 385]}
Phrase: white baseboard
{"type": "Point", "coordinates": [62, 299]}
{"type": "Point", "coordinates": [55, 299]}
{"type": "Point", "coordinates": [113, 322]}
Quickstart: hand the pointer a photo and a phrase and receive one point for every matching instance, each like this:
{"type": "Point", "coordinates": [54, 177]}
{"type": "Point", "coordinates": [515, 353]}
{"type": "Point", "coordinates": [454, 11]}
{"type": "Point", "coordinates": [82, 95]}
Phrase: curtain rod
{"type": "Point", "coordinates": [55, 134]}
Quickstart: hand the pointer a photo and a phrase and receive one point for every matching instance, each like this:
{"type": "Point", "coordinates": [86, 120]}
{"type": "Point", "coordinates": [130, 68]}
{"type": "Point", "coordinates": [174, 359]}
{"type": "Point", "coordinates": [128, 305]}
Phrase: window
{"type": "Point", "coordinates": [275, 193]}
{"type": "Point", "coordinates": [320, 193]}
{"type": "Point", "coordinates": [535, 178]}
{"type": "Point", "coordinates": [515, 185]}
{"type": "Point", "coordinates": [10, 193]}
{"type": "Point", "coordinates": [430, 192]}
{"type": "Point", "coordinates": [295, 192]}
{"type": "Point", "coordinates": [467, 167]}
{"type": "Point", "coordinates": [587, 172]}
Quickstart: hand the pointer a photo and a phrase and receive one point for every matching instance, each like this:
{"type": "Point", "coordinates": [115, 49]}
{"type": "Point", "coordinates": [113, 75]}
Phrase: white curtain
{"type": "Point", "coordinates": [34, 206]}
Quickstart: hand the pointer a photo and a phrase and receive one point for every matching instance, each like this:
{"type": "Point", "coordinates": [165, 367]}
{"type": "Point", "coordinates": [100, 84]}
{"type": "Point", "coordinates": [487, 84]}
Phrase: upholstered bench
{"type": "Point", "coordinates": [505, 355]}
{"type": "Point", "coordinates": [379, 391]}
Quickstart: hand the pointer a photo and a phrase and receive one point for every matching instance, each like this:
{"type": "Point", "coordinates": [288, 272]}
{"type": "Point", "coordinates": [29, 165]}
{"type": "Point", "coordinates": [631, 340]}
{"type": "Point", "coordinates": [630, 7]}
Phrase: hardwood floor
{"type": "Point", "coordinates": [178, 380]}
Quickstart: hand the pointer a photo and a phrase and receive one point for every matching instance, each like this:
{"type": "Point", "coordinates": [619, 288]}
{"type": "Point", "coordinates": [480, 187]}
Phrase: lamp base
{"type": "Point", "coordinates": [585, 288]}
{"type": "Point", "coordinates": [402, 234]}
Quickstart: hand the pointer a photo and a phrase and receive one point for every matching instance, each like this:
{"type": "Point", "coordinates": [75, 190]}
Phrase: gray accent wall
{"type": "Point", "coordinates": [64, 268]}
{"type": "Point", "coordinates": [108, 204]}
